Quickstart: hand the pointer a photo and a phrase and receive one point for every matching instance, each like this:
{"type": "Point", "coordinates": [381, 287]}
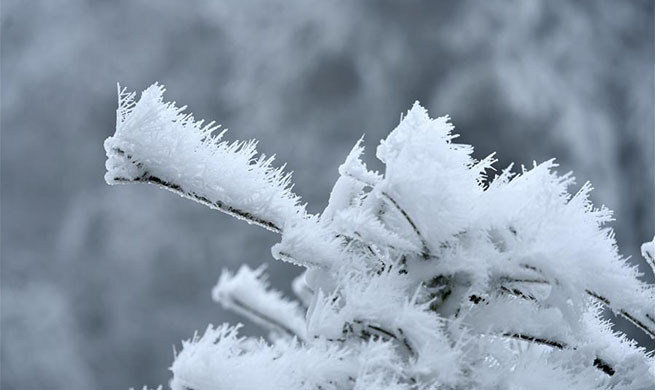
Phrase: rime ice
{"type": "Point", "coordinates": [424, 276]}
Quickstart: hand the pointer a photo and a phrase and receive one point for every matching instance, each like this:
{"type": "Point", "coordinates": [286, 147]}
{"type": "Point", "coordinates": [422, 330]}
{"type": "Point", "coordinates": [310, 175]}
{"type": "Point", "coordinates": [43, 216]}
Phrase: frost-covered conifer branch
{"type": "Point", "coordinates": [510, 296]}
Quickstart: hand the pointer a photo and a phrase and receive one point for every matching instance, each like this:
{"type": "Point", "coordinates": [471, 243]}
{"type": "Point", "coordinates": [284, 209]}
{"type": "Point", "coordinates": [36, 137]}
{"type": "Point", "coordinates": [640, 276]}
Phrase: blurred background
{"type": "Point", "coordinates": [98, 283]}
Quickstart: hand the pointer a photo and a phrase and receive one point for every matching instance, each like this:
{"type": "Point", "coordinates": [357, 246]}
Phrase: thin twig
{"type": "Point", "coordinates": [425, 251]}
{"type": "Point", "coordinates": [640, 323]}
{"type": "Point", "coordinates": [364, 333]}
{"type": "Point", "coordinates": [598, 362]}
{"type": "Point", "coordinates": [287, 257]}
{"type": "Point", "coordinates": [537, 340]}
{"type": "Point", "coordinates": [518, 293]}
{"type": "Point", "coordinates": [630, 317]}
{"type": "Point", "coordinates": [273, 323]}
{"type": "Point", "coordinates": [176, 188]}
{"type": "Point", "coordinates": [509, 279]}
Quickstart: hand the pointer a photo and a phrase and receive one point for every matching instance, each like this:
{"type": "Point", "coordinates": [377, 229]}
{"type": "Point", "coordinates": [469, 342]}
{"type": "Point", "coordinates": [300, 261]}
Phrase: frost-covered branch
{"type": "Point", "coordinates": [511, 295]}
{"type": "Point", "coordinates": [247, 293]}
{"type": "Point", "coordinates": [146, 177]}
{"type": "Point", "coordinates": [155, 142]}
{"type": "Point", "coordinates": [399, 209]}
{"type": "Point", "coordinates": [644, 321]}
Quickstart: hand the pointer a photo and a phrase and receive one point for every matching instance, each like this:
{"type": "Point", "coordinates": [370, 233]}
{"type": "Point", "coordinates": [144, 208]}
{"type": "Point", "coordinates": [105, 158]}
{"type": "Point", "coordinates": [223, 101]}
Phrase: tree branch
{"type": "Point", "coordinates": [598, 362]}
{"type": "Point", "coordinates": [425, 251]}
{"type": "Point", "coordinates": [649, 330]}
{"type": "Point", "coordinates": [216, 205]}
{"type": "Point", "coordinates": [646, 324]}
{"type": "Point", "coordinates": [272, 323]}
{"type": "Point", "coordinates": [368, 330]}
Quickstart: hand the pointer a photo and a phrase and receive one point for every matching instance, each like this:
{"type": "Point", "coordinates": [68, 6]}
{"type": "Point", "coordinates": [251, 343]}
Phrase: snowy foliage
{"type": "Point", "coordinates": [429, 275]}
